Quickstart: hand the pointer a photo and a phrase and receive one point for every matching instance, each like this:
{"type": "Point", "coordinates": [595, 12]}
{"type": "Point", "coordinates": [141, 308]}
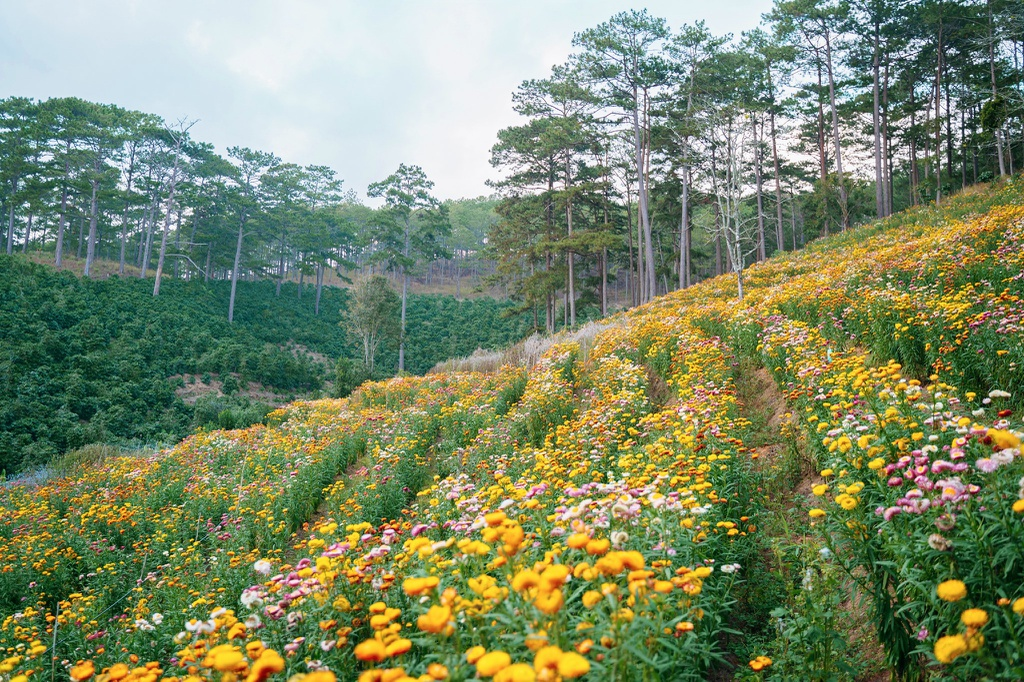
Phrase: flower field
{"type": "Point", "coordinates": [601, 515]}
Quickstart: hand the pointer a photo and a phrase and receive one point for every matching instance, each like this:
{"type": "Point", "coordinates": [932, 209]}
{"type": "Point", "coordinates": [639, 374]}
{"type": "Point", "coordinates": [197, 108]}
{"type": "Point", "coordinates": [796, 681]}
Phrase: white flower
{"type": "Point", "coordinates": [251, 599]}
{"type": "Point", "coordinates": [996, 393]}
{"type": "Point", "coordinates": [253, 622]}
{"type": "Point", "coordinates": [158, 618]}
{"type": "Point", "coordinates": [144, 625]}
{"type": "Point", "coordinates": [263, 567]}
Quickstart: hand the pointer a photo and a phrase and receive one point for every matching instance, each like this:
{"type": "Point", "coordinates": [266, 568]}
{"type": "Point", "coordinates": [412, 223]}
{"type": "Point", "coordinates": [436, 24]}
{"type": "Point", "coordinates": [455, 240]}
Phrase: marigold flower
{"type": "Point", "coordinates": [495, 518]}
{"type": "Point", "coordinates": [320, 676]}
{"type": "Point", "coordinates": [951, 590]}
{"type": "Point", "coordinates": [974, 618]}
{"type": "Point", "coordinates": [119, 671]}
{"type": "Point", "coordinates": [437, 671]}
{"type": "Point", "coordinates": [473, 654]}
{"type": "Point", "coordinates": [950, 647]}
{"type": "Point", "coordinates": [571, 665]}
{"type": "Point", "coordinates": [517, 672]}
{"type": "Point", "coordinates": [592, 597]}
{"type": "Point", "coordinates": [492, 662]}
{"type": "Point", "coordinates": [435, 620]}
{"type": "Point", "coordinates": [398, 647]}
{"type": "Point", "coordinates": [371, 650]}
{"type": "Point", "coordinates": [578, 540]}
{"type": "Point", "coordinates": [598, 547]}
{"type": "Point", "coordinates": [417, 586]}
{"type": "Point", "coordinates": [547, 658]}
{"type": "Point", "coordinates": [267, 664]}
{"type": "Point", "coordinates": [549, 602]}
{"type": "Point", "coordinates": [82, 672]}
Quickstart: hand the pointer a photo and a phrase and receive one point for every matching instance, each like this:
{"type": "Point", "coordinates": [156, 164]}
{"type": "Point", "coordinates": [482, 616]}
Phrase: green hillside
{"type": "Point", "coordinates": [87, 361]}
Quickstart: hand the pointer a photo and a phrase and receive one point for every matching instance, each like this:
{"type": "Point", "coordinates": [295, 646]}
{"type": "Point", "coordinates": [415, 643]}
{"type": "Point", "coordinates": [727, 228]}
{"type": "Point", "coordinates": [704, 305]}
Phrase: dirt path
{"type": "Point", "coordinates": [789, 473]}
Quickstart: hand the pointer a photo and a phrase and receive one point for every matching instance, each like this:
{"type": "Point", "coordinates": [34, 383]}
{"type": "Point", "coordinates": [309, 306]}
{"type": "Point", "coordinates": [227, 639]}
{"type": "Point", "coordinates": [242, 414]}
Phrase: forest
{"type": "Point", "coordinates": [102, 361]}
{"type": "Point", "coordinates": [653, 158]}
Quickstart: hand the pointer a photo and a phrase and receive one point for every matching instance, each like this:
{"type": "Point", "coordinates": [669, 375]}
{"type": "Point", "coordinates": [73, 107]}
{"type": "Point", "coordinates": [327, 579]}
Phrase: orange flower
{"type": "Point", "coordinates": [435, 620]}
{"type": "Point", "coordinates": [371, 650]}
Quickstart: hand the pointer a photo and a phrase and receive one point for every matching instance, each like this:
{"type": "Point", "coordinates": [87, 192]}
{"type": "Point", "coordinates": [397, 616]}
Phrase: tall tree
{"type": "Point", "coordinates": [250, 167]}
{"type": "Point", "coordinates": [412, 221]}
{"type": "Point", "coordinates": [177, 136]}
{"type": "Point", "coordinates": [623, 58]}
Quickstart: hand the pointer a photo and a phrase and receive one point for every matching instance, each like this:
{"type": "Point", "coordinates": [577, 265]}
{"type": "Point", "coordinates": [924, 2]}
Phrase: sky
{"type": "Point", "coordinates": [358, 85]}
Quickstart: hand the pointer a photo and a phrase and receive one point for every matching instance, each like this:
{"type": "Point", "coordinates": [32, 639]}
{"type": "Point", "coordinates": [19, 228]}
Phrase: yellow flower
{"type": "Point", "coordinates": [948, 648]}
{"type": "Point", "coordinates": [82, 672]}
{"type": "Point", "coordinates": [951, 590]}
{"type": "Point", "coordinates": [320, 676]}
{"type": "Point", "coordinates": [816, 513]}
{"type": "Point", "coordinates": [1018, 506]}
{"type": "Point", "coordinates": [398, 647]}
{"type": "Point", "coordinates": [1018, 606]}
{"type": "Point", "coordinates": [492, 663]}
{"type": "Point", "coordinates": [847, 502]}
{"type": "Point", "coordinates": [474, 654]}
{"type": "Point", "coordinates": [267, 664]}
{"type": "Point", "coordinates": [495, 518]}
{"type": "Point", "coordinates": [549, 602]}
{"type": "Point", "coordinates": [435, 620]}
{"type": "Point", "coordinates": [974, 618]}
{"type": "Point", "coordinates": [820, 489]}
{"type": "Point", "coordinates": [1003, 439]}
{"type": "Point", "coordinates": [437, 671]}
{"type": "Point", "coordinates": [592, 597]}
{"type": "Point", "coordinates": [417, 586]}
{"type": "Point", "coordinates": [571, 665]}
{"type": "Point", "coordinates": [371, 650]}
{"type": "Point", "coordinates": [524, 580]}
{"type": "Point", "coordinates": [517, 672]}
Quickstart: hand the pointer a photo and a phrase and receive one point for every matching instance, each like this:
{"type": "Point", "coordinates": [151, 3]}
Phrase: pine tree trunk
{"type": "Point", "coordinates": [167, 223]}
{"type": "Point", "coordinates": [877, 126]}
{"type": "Point", "coordinates": [59, 256]}
{"type": "Point", "coordinates": [234, 272]}
{"type": "Point", "coordinates": [780, 240]}
{"type": "Point", "coordinates": [938, 119]}
{"type": "Point", "coordinates": [319, 288]}
{"type": "Point", "coordinates": [762, 249]}
{"type": "Point", "coordinates": [10, 219]}
{"type": "Point", "coordinates": [90, 250]}
{"type": "Point", "coordinates": [844, 204]}
{"type": "Point", "coordinates": [645, 220]}
{"type": "Point", "coordinates": [28, 233]}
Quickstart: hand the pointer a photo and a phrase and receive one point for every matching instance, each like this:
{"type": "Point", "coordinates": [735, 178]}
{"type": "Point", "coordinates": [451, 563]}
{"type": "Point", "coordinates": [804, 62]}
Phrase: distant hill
{"type": "Point", "coordinates": [103, 361]}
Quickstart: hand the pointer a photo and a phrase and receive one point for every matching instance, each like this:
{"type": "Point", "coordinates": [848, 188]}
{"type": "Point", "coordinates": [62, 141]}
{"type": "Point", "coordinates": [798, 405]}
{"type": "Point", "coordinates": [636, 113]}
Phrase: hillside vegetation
{"type": "Point", "coordinates": [89, 361]}
{"type": "Point", "coordinates": [620, 510]}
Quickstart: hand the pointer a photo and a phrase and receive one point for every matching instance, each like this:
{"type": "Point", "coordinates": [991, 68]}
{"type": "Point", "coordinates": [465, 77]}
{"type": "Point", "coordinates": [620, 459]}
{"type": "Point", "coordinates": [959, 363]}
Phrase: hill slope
{"type": "Point", "coordinates": [608, 512]}
{"type": "Point", "coordinates": [100, 361]}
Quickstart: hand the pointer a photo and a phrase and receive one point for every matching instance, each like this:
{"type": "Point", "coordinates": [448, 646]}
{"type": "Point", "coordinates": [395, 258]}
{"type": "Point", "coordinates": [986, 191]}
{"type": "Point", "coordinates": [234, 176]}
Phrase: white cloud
{"type": "Point", "coordinates": [358, 85]}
